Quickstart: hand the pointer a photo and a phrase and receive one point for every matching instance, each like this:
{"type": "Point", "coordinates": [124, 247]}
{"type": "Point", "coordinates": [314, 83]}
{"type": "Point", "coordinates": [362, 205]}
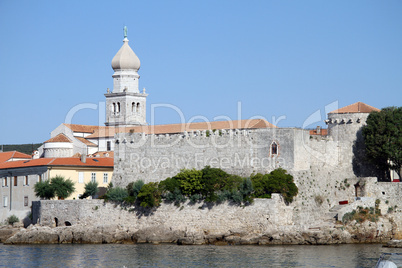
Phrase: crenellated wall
{"type": "Point", "coordinates": [242, 152]}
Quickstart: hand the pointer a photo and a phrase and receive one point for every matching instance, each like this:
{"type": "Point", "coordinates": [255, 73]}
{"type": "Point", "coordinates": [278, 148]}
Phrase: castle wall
{"type": "Point", "coordinates": [263, 213]}
{"type": "Point", "coordinates": [242, 152]}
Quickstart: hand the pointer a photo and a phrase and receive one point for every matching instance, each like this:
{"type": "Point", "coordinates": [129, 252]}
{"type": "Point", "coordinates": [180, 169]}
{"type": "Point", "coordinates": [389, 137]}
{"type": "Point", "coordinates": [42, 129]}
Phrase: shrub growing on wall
{"type": "Point", "coordinates": [150, 195]}
{"type": "Point", "coordinates": [278, 181]}
{"type": "Point", "coordinates": [12, 219]}
{"type": "Point", "coordinates": [133, 188]}
{"type": "Point", "coordinates": [190, 181]}
{"type": "Point", "coordinates": [116, 194]}
{"type": "Point", "coordinates": [208, 184]}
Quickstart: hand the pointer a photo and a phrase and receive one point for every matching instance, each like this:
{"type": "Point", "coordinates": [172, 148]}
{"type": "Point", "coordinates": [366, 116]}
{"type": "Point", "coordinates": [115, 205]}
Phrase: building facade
{"type": "Point", "coordinates": [19, 177]}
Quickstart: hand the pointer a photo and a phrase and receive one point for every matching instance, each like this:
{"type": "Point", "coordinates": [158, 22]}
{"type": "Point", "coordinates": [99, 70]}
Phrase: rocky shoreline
{"type": "Point", "coordinates": [366, 232]}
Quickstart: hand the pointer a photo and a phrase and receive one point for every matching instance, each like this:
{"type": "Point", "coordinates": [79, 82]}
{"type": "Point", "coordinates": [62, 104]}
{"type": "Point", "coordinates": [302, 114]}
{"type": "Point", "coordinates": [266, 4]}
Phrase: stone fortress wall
{"type": "Point", "coordinates": [325, 168]}
{"type": "Point", "coordinates": [266, 221]}
{"type": "Point", "coordinates": [242, 151]}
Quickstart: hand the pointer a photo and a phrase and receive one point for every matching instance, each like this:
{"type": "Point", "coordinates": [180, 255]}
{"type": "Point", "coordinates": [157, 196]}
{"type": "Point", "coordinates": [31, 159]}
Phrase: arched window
{"type": "Point", "coordinates": [118, 107]}
{"type": "Point", "coordinates": [138, 107]}
{"type": "Point", "coordinates": [274, 148]}
{"type": "Point", "coordinates": [114, 107]}
{"type": "Point", "coordinates": [133, 107]}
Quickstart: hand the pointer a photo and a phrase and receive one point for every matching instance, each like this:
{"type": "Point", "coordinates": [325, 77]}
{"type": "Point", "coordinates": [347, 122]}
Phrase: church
{"type": "Point", "coordinates": [125, 113]}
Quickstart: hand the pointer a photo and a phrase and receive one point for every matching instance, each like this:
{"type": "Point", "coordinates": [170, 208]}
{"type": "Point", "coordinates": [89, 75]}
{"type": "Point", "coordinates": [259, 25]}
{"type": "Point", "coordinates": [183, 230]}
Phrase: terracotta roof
{"type": "Point", "coordinates": [5, 156]}
{"type": "Point", "coordinates": [86, 142]}
{"type": "Point", "coordinates": [358, 107]}
{"type": "Point", "coordinates": [82, 128]}
{"type": "Point", "coordinates": [323, 132]}
{"type": "Point", "coordinates": [179, 128]}
{"type": "Point", "coordinates": [105, 132]}
{"type": "Point", "coordinates": [59, 138]}
{"type": "Point", "coordinates": [66, 161]}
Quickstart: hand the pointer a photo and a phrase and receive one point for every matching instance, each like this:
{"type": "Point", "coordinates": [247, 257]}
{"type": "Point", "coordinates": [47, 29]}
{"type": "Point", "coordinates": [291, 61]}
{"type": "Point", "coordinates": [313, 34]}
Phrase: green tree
{"type": "Point", "coordinates": [91, 189]}
{"type": "Point", "coordinates": [62, 187]}
{"type": "Point", "coordinates": [190, 181]}
{"type": "Point", "coordinates": [212, 179]}
{"type": "Point", "coordinates": [278, 181]}
{"type": "Point", "coordinates": [44, 190]}
{"type": "Point", "coordinates": [383, 139]}
{"type": "Point", "coordinates": [133, 188]}
{"type": "Point", "coordinates": [149, 195]}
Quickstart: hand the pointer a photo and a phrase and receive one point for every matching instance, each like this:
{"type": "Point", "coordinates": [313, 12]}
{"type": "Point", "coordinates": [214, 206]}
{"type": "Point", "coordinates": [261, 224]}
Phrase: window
{"type": "Point", "coordinates": [133, 107]}
{"type": "Point", "coordinates": [80, 177]}
{"type": "Point", "coordinates": [105, 177]}
{"type": "Point", "coordinates": [25, 201]}
{"type": "Point", "coordinates": [108, 146]}
{"type": "Point", "coordinates": [26, 180]}
{"type": "Point", "coordinates": [93, 177]}
{"type": "Point", "coordinates": [15, 181]}
{"type": "Point", "coordinates": [138, 107]}
{"type": "Point", "coordinates": [274, 148]}
{"type": "Point", "coordinates": [5, 201]}
{"type": "Point", "coordinates": [5, 182]}
{"type": "Point", "coordinates": [39, 178]}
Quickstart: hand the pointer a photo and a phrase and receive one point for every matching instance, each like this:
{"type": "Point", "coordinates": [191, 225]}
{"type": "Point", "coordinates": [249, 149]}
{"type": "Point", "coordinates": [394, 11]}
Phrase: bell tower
{"type": "Point", "coordinates": [125, 105]}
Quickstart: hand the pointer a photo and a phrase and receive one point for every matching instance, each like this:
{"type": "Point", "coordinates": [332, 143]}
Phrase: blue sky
{"type": "Point", "coordinates": [279, 59]}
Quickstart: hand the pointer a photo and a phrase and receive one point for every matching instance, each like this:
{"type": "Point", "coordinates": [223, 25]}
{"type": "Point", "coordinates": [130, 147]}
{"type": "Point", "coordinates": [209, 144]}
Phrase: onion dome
{"type": "Point", "coordinates": [125, 59]}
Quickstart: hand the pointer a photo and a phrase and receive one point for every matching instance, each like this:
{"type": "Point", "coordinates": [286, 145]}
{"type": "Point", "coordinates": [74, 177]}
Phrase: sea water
{"type": "Point", "coordinates": [166, 255]}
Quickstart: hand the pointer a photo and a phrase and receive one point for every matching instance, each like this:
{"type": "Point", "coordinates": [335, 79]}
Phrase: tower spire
{"type": "Point", "coordinates": [125, 105]}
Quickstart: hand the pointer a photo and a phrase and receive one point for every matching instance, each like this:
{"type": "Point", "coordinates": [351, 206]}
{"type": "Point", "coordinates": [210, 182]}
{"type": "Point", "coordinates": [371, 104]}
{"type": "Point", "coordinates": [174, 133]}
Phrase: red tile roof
{"type": "Point", "coordinates": [59, 138]}
{"type": "Point", "coordinates": [5, 156]}
{"type": "Point", "coordinates": [179, 128]}
{"type": "Point", "coordinates": [358, 107]}
{"type": "Point", "coordinates": [86, 142]}
{"type": "Point", "coordinates": [66, 161]}
{"type": "Point", "coordinates": [82, 128]}
{"type": "Point", "coordinates": [323, 132]}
